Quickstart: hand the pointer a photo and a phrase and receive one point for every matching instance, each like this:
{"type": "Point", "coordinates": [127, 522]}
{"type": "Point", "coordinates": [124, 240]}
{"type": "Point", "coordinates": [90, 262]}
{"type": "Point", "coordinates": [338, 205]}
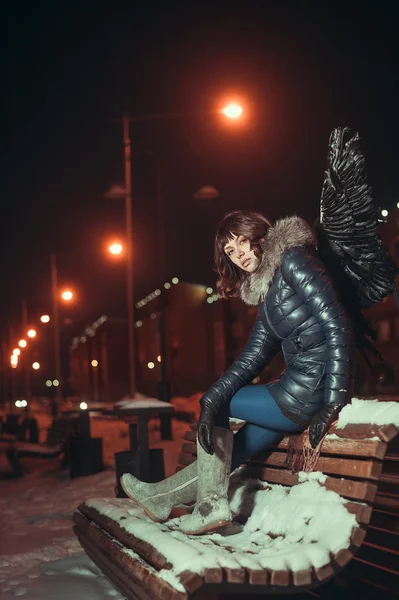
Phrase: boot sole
{"type": "Point", "coordinates": [207, 528]}
{"type": "Point", "coordinates": [145, 509]}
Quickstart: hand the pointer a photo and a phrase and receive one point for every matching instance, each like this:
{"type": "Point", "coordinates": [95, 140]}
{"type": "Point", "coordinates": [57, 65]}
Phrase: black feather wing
{"type": "Point", "coordinates": [348, 230]}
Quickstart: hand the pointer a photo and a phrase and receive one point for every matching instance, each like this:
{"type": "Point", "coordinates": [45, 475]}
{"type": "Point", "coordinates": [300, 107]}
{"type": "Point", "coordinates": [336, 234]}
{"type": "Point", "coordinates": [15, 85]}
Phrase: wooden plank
{"type": "Point", "coordinates": [350, 585]}
{"type": "Point", "coordinates": [257, 576]}
{"type": "Point", "coordinates": [214, 575]}
{"type": "Point", "coordinates": [190, 436]}
{"type": "Point", "coordinates": [137, 569]}
{"type": "Point", "coordinates": [383, 538]}
{"type": "Point", "coordinates": [385, 520]}
{"type": "Point", "coordinates": [280, 578]}
{"type": "Point", "coordinates": [354, 490]}
{"type": "Point", "coordinates": [385, 433]}
{"type": "Point", "coordinates": [347, 447]}
{"type": "Point", "coordinates": [374, 575]}
{"type": "Point", "coordinates": [235, 575]}
{"type": "Point", "coordinates": [380, 557]}
{"type": "Point", "coordinates": [342, 557]}
{"type": "Point", "coordinates": [323, 573]}
{"type": "Point", "coordinates": [186, 459]}
{"type": "Point", "coordinates": [357, 537]}
{"type": "Point", "coordinates": [387, 502]}
{"type": "Point", "coordinates": [358, 468]}
{"type": "Point", "coordinates": [363, 512]}
{"type": "Point", "coordinates": [302, 578]}
{"type": "Point", "coordinates": [191, 581]}
{"type": "Point", "coordinates": [152, 556]}
{"type": "Point", "coordinates": [189, 448]}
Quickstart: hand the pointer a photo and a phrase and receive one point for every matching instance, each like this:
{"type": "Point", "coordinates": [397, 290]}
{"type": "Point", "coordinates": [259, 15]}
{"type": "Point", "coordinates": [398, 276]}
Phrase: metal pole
{"type": "Point", "coordinates": [13, 373]}
{"type": "Point", "coordinates": [129, 241]}
{"type": "Point", "coordinates": [28, 391]}
{"type": "Point", "coordinates": [56, 326]}
{"type": "Point", "coordinates": [164, 385]}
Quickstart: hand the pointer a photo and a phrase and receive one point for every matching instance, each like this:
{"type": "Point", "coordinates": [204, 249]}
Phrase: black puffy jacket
{"type": "Point", "coordinates": [300, 312]}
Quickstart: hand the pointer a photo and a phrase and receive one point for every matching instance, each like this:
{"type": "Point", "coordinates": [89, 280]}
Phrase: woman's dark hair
{"type": "Point", "coordinates": [252, 226]}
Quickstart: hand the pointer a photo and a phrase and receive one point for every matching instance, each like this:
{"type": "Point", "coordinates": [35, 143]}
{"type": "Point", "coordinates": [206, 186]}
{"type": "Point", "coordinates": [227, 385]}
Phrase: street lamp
{"type": "Point", "coordinates": [45, 319]}
{"type": "Point", "coordinates": [232, 110]}
{"type": "Point", "coordinates": [115, 249]}
{"type": "Point", "coordinates": [67, 295]}
{"type": "Point", "coordinates": [22, 343]}
{"type": "Point", "coordinates": [31, 333]}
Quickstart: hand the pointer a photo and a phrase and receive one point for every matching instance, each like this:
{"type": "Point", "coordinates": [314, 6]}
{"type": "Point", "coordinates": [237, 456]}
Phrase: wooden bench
{"type": "Point", "coordinates": [360, 466]}
{"type": "Point", "coordinates": [56, 445]}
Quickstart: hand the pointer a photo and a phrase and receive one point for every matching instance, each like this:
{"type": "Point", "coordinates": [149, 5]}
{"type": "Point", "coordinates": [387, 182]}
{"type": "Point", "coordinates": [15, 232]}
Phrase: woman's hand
{"type": "Point", "coordinates": [321, 422]}
{"type": "Point", "coordinates": [205, 426]}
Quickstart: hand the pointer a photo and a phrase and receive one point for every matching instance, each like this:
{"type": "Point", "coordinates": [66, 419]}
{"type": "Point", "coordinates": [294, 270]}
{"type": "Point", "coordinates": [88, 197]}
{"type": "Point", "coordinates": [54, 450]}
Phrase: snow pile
{"type": "Point", "coordinates": [144, 403]}
{"type": "Point", "coordinates": [287, 528]}
{"type": "Point", "coordinates": [369, 412]}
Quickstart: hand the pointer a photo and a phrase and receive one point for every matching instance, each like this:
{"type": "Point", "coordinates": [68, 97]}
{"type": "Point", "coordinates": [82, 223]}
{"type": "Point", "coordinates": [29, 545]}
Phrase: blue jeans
{"type": "Point", "coordinates": [265, 423]}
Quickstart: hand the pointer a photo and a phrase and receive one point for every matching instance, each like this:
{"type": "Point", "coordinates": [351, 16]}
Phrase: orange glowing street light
{"type": "Point", "coordinates": [115, 249]}
{"type": "Point", "coordinates": [36, 366]}
{"type": "Point", "coordinates": [232, 110]}
{"type": "Point", "coordinates": [22, 343]}
{"type": "Point", "coordinates": [31, 333]}
{"type": "Point", "coordinates": [45, 318]}
{"type": "Point", "coordinates": [67, 295]}
{"type": "Point", "coordinates": [16, 352]}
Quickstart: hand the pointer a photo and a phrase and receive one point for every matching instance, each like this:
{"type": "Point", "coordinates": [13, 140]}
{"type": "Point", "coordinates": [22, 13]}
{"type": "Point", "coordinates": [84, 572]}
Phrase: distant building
{"type": "Point", "coordinates": [192, 362]}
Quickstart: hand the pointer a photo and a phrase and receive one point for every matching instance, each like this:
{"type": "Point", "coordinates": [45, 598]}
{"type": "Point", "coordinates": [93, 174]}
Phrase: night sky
{"type": "Point", "coordinates": [300, 69]}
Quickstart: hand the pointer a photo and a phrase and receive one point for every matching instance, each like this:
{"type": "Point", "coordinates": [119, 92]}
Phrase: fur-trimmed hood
{"type": "Point", "coordinates": [284, 234]}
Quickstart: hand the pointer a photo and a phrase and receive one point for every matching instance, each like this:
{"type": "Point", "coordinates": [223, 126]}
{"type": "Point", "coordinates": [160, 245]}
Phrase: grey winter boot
{"type": "Point", "coordinates": [158, 499]}
{"type": "Point", "coordinates": [212, 509]}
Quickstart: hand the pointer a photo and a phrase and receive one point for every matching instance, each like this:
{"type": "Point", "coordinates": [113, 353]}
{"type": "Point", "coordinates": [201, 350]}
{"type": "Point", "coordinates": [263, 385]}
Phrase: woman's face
{"type": "Point", "coordinates": [238, 249]}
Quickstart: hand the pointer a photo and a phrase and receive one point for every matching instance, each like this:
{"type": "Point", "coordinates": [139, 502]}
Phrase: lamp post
{"type": "Point", "coordinates": [67, 295]}
{"type": "Point", "coordinates": [56, 332]}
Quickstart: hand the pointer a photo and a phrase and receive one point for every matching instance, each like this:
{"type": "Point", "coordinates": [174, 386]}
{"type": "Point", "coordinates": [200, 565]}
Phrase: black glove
{"type": "Point", "coordinates": [321, 422]}
{"type": "Point", "coordinates": [205, 425]}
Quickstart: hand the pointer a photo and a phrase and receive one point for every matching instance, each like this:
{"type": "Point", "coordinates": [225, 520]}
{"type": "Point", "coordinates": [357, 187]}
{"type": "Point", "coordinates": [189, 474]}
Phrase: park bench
{"type": "Point", "coordinates": [56, 445]}
{"type": "Point", "coordinates": [292, 532]}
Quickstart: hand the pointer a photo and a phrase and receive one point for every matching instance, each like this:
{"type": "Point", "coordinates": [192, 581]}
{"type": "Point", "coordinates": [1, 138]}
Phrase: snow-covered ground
{"type": "Point", "coordinates": [40, 557]}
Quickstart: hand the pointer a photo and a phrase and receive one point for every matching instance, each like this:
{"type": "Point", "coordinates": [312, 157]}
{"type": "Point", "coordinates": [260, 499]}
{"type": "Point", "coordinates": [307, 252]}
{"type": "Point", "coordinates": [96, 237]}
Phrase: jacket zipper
{"type": "Point", "coordinates": [268, 321]}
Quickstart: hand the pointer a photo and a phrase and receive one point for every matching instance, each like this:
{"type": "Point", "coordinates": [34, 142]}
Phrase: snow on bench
{"type": "Point", "coordinates": [291, 530]}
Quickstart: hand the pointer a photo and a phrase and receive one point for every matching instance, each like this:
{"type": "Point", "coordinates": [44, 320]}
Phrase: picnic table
{"type": "Point", "coordinates": [137, 413]}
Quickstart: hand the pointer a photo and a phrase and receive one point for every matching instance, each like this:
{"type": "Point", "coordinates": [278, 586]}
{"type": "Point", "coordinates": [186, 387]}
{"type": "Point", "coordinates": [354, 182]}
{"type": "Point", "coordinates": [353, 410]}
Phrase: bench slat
{"type": "Point", "coordinates": [344, 447]}
{"type": "Point", "coordinates": [383, 538]}
{"type": "Point", "coordinates": [385, 433]}
{"type": "Point", "coordinates": [347, 447]}
{"type": "Point", "coordinates": [354, 490]}
{"type": "Point", "coordinates": [387, 502]}
{"type": "Point", "coordinates": [385, 520]}
{"type": "Point", "coordinates": [362, 512]}
{"type": "Point", "coordinates": [380, 557]}
{"type": "Point", "coordinates": [364, 469]}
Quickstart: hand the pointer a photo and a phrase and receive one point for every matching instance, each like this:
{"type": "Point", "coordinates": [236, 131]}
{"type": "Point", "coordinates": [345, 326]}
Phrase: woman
{"type": "Point", "coordinates": [278, 267]}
